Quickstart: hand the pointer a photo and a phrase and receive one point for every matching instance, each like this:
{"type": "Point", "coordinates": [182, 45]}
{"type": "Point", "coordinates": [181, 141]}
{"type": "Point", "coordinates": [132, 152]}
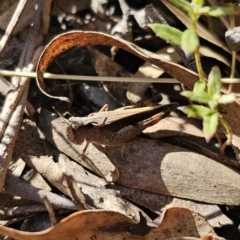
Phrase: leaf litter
{"type": "Point", "coordinates": [139, 189]}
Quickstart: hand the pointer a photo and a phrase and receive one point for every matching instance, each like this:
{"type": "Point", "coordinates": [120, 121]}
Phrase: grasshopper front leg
{"type": "Point", "coordinates": [71, 135]}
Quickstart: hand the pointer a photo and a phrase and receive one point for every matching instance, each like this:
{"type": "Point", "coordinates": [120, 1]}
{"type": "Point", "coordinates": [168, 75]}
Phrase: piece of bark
{"type": "Point", "coordinates": [12, 23]}
{"type": "Point", "coordinates": [9, 138]}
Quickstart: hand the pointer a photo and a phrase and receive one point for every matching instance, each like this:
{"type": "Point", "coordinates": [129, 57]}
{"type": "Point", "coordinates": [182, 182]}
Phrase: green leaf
{"type": "Point", "coordinates": [190, 111]}
{"type": "Point", "coordinates": [214, 82]}
{"type": "Point", "coordinates": [210, 118]}
{"type": "Point", "coordinates": [169, 34]}
{"type": "Point", "coordinates": [200, 97]}
{"type": "Point", "coordinates": [183, 4]}
{"type": "Point", "coordinates": [213, 102]}
{"type": "Point", "coordinates": [190, 41]}
{"type": "Point", "coordinates": [216, 11]}
{"type": "Point", "coordinates": [197, 111]}
{"type": "Point", "coordinates": [225, 99]}
{"type": "Point", "coordinates": [199, 86]}
{"type": "Point", "coordinates": [210, 124]}
{"type": "Point", "coordinates": [198, 2]}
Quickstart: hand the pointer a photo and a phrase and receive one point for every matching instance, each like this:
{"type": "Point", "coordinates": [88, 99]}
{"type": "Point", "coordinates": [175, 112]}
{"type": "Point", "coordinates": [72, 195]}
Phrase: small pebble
{"type": "Point", "coordinates": [232, 38]}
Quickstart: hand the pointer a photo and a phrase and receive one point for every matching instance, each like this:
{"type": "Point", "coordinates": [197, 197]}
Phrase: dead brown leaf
{"type": "Point", "coordinates": [166, 169]}
{"type": "Point", "coordinates": [91, 186]}
{"type": "Point", "coordinates": [103, 225]}
{"type": "Point", "coordinates": [157, 202]}
{"type": "Point", "coordinates": [80, 38]}
{"type": "Point", "coordinates": [175, 126]}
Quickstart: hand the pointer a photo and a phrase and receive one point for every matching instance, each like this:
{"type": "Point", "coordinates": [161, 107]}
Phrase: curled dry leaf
{"type": "Point", "coordinates": [212, 213]}
{"type": "Point", "coordinates": [176, 222]}
{"type": "Point", "coordinates": [80, 38]}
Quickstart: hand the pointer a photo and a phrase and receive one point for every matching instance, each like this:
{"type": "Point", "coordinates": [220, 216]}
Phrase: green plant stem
{"type": "Point", "coordinates": [229, 135]}
{"type": "Point", "coordinates": [199, 65]}
{"type": "Point", "coordinates": [197, 56]}
{"type": "Point", "coordinates": [233, 66]}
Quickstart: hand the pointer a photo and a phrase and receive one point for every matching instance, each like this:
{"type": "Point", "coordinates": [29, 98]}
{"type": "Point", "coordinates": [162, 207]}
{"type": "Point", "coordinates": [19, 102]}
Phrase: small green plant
{"type": "Point", "coordinates": [207, 93]}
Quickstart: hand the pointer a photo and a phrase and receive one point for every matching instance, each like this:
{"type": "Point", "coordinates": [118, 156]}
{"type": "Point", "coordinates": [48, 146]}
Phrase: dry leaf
{"type": "Point", "coordinates": [106, 67]}
{"type": "Point", "coordinates": [91, 186]}
{"type": "Point", "coordinates": [106, 225]}
{"type": "Point", "coordinates": [166, 169]}
{"type": "Point", "coordinates": [181, 222]}
{"type": "Point", "coordinates": [80, 38]}
{"type": "Point", "coordinates": [212, 213]}
{"type": "Point", "coordinates": [157, 202]}
{"type": "Point", "coordinates": [175, 126]}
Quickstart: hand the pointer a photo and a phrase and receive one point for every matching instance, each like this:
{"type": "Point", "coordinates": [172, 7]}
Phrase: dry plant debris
{"type": "Point", "coordinates": [86, 174]}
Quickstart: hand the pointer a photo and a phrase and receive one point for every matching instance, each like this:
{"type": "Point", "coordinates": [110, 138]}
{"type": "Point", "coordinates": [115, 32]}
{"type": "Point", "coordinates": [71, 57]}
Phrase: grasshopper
{"type": "Point", "coordinates": [104, 117]}
{"type": "Point", "coordinates": [118, 126]}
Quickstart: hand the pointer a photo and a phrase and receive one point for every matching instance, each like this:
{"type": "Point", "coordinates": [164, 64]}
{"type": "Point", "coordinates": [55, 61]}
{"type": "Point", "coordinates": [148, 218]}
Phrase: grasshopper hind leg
{"type": "Point", "coordinates": [85, 149]}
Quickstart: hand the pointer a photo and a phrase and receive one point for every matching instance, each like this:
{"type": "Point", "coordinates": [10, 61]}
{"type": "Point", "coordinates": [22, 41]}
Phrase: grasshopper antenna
{"type": "Point", "coordinates": [60, 115]}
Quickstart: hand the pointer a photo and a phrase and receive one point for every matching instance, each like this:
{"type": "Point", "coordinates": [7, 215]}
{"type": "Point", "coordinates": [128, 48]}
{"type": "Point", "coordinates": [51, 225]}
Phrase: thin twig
{"type": "Point", "coordinates": [8, 73]}
{"type": "Point", "coordinates": [12, 24]}
{"type": "Point", "coordinates": [87, 78]}
{"type": "Point", "coordinates": [50, 210]}
{"type": "Point", "coordinates": [18, 187]}
{"type": "Point", "coordinates": [233, 65]}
